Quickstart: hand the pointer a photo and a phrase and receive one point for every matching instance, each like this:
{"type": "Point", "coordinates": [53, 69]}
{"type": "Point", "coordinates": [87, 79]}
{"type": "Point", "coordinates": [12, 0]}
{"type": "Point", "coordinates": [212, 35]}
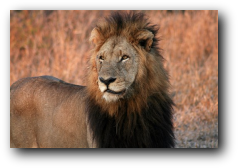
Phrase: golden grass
{"type": "Point", "coordinates": [56, 43]}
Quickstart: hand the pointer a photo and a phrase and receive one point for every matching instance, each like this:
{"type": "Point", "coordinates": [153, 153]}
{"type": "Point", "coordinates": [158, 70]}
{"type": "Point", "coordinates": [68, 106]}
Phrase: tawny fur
{"type": "Point", "coordinates": [47, 112]}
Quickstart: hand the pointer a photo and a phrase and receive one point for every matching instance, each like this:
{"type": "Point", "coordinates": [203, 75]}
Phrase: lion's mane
{"type": "Point", "coordinates": [145, 118]}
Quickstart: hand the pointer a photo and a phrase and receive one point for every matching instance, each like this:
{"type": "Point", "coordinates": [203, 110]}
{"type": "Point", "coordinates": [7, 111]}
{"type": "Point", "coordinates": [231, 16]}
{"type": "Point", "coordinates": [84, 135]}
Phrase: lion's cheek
{"type": "Point", "coordinates": [102, 87]}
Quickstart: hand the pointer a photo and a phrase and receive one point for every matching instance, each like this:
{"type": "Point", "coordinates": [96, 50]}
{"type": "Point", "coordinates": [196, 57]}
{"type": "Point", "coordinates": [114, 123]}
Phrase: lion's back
{"type": "Point", "coordinates": [31, 92]}
{"type": "Point", "coordinates": [49, 108]}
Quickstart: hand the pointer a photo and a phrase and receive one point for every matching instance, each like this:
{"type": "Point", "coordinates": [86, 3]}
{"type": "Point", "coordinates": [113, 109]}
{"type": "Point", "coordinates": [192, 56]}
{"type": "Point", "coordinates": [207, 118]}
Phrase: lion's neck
{"type": "Point", "coordinates": [149, 127]}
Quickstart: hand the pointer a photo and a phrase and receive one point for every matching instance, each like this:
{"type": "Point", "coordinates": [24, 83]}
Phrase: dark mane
{"type": "Point", "coordinates": [152, 128]}
{"type": "Point", "coordinates": [127, 24]}
{"type": "Point", "coordinates": [145, 118]}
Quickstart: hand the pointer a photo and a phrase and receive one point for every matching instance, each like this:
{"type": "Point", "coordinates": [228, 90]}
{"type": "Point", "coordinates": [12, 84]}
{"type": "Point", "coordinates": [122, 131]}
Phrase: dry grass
{"type": "Point", "coordinates": [56, 43]}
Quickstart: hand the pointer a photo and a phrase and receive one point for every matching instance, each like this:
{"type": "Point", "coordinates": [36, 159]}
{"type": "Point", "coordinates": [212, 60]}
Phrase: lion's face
{"type": "Point", "coordinates": [117, 65]}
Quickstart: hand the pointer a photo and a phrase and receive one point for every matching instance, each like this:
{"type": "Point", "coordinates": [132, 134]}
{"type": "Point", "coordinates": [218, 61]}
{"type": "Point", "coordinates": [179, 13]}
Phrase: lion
{"type": "Point", "coordinates": [125, 104]}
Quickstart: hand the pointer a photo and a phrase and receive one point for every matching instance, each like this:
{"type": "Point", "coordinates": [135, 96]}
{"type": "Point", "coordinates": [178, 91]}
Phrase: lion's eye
{"type": "Point", "coordinates": [124, 57]}
{"type": "Point", "coordinates": [101, 58]}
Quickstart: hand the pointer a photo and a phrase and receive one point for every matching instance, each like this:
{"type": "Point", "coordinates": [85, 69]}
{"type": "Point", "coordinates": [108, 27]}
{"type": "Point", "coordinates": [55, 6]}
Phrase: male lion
{"type": "Point", "coordinates": [125, 103]}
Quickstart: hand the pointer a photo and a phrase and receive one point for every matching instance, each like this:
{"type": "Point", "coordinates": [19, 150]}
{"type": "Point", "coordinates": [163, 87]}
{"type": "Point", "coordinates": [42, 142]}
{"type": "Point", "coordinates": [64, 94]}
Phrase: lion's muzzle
{"type": "Point", "coordinates": [111, 88]}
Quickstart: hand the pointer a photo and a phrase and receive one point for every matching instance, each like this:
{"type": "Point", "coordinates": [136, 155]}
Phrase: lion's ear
{"type": "Point", "coordinates": [95, 36]}
{"type": "Point", "coordinates": [145, 39]}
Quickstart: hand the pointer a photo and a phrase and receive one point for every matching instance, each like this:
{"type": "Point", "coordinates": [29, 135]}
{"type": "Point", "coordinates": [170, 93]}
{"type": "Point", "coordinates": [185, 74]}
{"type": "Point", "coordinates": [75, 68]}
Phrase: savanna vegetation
{"type": "Point", "coordinates": [57, 43]}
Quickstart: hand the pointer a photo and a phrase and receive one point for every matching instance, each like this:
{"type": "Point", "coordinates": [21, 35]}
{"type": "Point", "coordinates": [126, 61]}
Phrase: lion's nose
{"type": "Point", "coordinates": [107, 81]}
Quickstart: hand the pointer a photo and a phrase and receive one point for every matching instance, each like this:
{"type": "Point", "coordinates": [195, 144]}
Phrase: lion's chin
{"type": "Point", "coordinates": [111, 97]}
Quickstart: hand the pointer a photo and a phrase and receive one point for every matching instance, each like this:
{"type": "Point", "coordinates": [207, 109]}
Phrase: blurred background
{"type": "Point", "coordinates": [57, 43]}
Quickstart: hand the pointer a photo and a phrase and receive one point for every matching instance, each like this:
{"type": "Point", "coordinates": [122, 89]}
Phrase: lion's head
{"type": "Point", "coordinates": [126, 64]}
{"type": "Point", "coordinates": [117, 67]}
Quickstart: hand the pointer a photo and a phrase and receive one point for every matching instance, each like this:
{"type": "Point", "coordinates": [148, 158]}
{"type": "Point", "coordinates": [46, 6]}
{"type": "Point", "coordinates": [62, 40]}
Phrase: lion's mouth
{"type": "Point", "coordinates": [113, 92]}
